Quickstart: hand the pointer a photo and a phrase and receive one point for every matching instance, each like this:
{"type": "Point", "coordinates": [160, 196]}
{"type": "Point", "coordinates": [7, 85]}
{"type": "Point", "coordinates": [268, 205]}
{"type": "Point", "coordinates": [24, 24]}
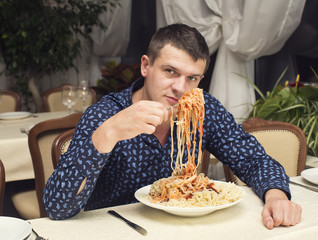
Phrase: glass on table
{"type": "Point", "coordinates": [69, 96]}
{"type": "Point", "coordinates": [83, 92]}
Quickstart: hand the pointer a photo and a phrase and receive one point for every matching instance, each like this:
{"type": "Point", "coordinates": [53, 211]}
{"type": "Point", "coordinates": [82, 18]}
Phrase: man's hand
{"type": "Point", "coordinates": [278, 210]}
{"type": "Point", "coordinates": [141, 117]}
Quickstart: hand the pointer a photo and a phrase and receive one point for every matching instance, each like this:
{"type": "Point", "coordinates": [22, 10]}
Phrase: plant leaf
{"type": "Point", "coordinates": [254, 86]}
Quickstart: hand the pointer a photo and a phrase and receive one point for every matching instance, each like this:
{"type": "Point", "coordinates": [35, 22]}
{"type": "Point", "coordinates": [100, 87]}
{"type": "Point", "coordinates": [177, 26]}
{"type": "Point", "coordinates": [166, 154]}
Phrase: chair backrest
{"type": "Point", "coordinates": [2, 186]}
{"type": "Point", "coordinates": [41, 138]}
{"type": "Point", "coordinates": [205, 161]}
{"type": "Point", "coordinates": [10, 101]}
{"type": "Point", "coordinates": [61, 144]}
{"type": "Point", "coordinates": [52, 100]}
{"type": "Point", "coordinates": [283, 141]}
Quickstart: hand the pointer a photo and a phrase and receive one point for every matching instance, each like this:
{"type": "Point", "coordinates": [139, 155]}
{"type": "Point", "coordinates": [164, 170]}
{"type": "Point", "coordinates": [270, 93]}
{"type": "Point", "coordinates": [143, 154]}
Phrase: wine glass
{"type": "Point", "coordinates": [83, 92]}
{"type": "Point", "coordinates": [69, 96]}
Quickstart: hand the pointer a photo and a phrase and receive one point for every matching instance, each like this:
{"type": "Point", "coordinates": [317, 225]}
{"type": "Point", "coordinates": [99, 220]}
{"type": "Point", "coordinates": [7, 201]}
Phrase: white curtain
{"type": "Point", "coordinates": [241, 30]}
{"type": "Point", "coordinates": [113, 42]}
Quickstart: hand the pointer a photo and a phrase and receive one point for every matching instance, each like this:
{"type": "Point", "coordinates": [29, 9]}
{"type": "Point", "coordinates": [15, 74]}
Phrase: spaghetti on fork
{"type": "Point", "coordinates": [185, 188]}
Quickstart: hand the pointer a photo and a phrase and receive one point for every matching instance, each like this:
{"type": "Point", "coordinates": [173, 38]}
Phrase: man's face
{"type": "Point", "coordinates": [172, 74]}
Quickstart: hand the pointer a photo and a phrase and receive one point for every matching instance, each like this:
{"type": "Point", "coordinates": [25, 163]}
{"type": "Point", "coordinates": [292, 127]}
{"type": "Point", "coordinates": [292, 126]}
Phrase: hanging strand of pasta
{"type": "Point", "coordinates": [190, 115]}
{"type": "Point", "coordinates": [185, 187]}
{"type": "Point", "coordinates": [171, 127]}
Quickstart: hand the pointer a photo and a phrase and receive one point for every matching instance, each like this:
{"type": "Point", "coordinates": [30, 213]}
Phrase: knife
{"type": "Point", "coordinates": [307, 187]}
{"type": "Point", "coordinates": [37, 236]}
{"type": "Point", "coordinates": [136, 227]}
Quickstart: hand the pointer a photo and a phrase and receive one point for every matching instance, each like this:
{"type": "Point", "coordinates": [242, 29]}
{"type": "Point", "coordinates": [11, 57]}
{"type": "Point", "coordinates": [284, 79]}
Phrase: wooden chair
{"type": "Point", "coordinates": [61, 144]}
{"type": "Point", "coordinates": [204, 167]}
{"type": "Point", "coordinates": [283, 141]}
{"type": "Point", "coordinates": [52, 100]}
{"type": "Point", "coordinates": [29, 203]}
{"type": "Point", "coordinates": [10, 101]}
{"type": "Point", "coordinates": [2, 186]}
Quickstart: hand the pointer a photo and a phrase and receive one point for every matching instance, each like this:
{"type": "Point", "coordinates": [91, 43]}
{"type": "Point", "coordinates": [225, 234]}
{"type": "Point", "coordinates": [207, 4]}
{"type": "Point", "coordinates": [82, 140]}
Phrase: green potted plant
{"type": "Point", "coordinates": [116, 77]}
{"type": "Point", "coordinates": [40, 37]}
{"type": "Point", "coordinates": [295, 103]}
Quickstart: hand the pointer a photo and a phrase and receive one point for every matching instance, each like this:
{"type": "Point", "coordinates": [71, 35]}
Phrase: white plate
{"type": "Point", "coordinates": [14, 115]}
{"type": "Point", "coordinates": [142, 195]}
{"type": "Point", "coordinates": [14, 228]}
{"type": "Point", "coordinates": [311, 175]}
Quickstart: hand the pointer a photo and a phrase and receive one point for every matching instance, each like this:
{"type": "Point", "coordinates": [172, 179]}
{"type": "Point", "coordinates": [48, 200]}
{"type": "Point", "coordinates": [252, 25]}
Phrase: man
{"type": "Point", "coordinates": [123, 142]}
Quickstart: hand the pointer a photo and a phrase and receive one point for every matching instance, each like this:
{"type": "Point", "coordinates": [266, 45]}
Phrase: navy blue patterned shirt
{"type": "Point", "coordinates": [113, 178]}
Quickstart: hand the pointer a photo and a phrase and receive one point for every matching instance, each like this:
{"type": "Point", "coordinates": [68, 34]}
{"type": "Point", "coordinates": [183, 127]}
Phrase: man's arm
{"type": "Point", "coordinates": [127, 124]}
{"type": "Point", "coordinates": [73, 181]}
{"type": "Point", "coordinates": [249, 161]}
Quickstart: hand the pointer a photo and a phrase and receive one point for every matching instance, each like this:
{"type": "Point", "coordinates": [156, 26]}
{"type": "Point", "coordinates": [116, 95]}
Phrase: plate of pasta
{"type": "Point", "coordinates": [230, 195]}
{"type": "Point", "coordinates": [185, 192]}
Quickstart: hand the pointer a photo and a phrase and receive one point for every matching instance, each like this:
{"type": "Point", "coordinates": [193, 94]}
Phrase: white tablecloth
{"type": "Point", "coordinates": [14, 149]}
{"type": "Point", "coordinates": [242, 221]}
{"type": "Point", "coordinates": [311, 161]}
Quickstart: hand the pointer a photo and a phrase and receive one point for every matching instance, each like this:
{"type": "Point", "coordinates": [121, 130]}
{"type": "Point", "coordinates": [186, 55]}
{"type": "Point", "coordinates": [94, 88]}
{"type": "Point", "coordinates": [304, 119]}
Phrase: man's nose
{"type": "Point", "coordinates": [179, 84]}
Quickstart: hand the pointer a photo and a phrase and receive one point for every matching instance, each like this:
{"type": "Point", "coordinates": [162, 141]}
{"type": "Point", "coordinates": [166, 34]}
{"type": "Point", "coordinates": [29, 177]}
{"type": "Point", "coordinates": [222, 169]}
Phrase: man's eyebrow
{"type": "Point", "coordinates": [196, 75]}
{"type": "Point", "coordinates": [169, 66]}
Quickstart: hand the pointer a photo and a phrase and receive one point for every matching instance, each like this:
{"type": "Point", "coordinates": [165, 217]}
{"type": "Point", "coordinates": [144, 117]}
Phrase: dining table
{"type": "Point", "coordinates": [240, 221]}
{"type": "Point", "coordinates": [14, 148]}
{"type": "Point", "coordinates": [311, 162]}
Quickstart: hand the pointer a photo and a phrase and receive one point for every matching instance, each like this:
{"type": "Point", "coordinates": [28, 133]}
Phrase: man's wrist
{"type": "Point", "coordinates": [104, 138]}
{"type": "Point", "coordinates": [275, 193]}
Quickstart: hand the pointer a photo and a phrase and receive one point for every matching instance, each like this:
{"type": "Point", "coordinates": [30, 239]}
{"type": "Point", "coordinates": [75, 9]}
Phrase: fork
{"type": "Point", "coordinates": [22, 130]}
{"type": "Point", "coordinates": [169, 108]}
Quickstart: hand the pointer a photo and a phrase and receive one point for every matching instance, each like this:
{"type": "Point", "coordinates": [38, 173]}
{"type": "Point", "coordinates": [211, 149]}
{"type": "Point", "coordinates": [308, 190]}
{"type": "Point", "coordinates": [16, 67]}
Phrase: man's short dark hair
{"type": "Point", "coordinates": [180, 36]}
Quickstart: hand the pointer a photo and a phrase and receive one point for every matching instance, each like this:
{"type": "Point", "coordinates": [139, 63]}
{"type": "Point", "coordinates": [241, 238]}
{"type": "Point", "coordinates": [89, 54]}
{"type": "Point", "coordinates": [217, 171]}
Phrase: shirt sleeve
{"type": "Point", "coordinates": [240, 151]}
{"type": "Point", "coordinates": [81, 161]}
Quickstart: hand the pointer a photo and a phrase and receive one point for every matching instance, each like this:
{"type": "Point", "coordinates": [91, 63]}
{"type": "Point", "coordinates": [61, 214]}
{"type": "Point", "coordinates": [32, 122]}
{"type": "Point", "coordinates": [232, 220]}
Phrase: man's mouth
{"type": "Point", "coordinates": [172, 100]}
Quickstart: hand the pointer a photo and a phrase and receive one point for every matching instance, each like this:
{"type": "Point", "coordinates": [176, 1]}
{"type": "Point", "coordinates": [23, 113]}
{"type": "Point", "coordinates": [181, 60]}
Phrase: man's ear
{"type": "Point", "coordinates": [145, 62]}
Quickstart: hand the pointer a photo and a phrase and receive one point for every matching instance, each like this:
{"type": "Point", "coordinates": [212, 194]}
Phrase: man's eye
{"type": "Point", "coordinates": [170, 71]}
{"type": "Point", "coordinates": [193, 79]}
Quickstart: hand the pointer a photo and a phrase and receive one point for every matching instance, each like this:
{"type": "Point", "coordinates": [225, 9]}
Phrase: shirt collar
{"type": "Point", "coordinates": [136, 85]}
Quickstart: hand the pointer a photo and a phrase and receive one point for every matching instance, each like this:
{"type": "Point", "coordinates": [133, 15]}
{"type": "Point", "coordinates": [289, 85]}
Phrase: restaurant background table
{"type": "Point", "coordinates": [242, 221]}
{"type": "Point", "coordinates": [14, 148]}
